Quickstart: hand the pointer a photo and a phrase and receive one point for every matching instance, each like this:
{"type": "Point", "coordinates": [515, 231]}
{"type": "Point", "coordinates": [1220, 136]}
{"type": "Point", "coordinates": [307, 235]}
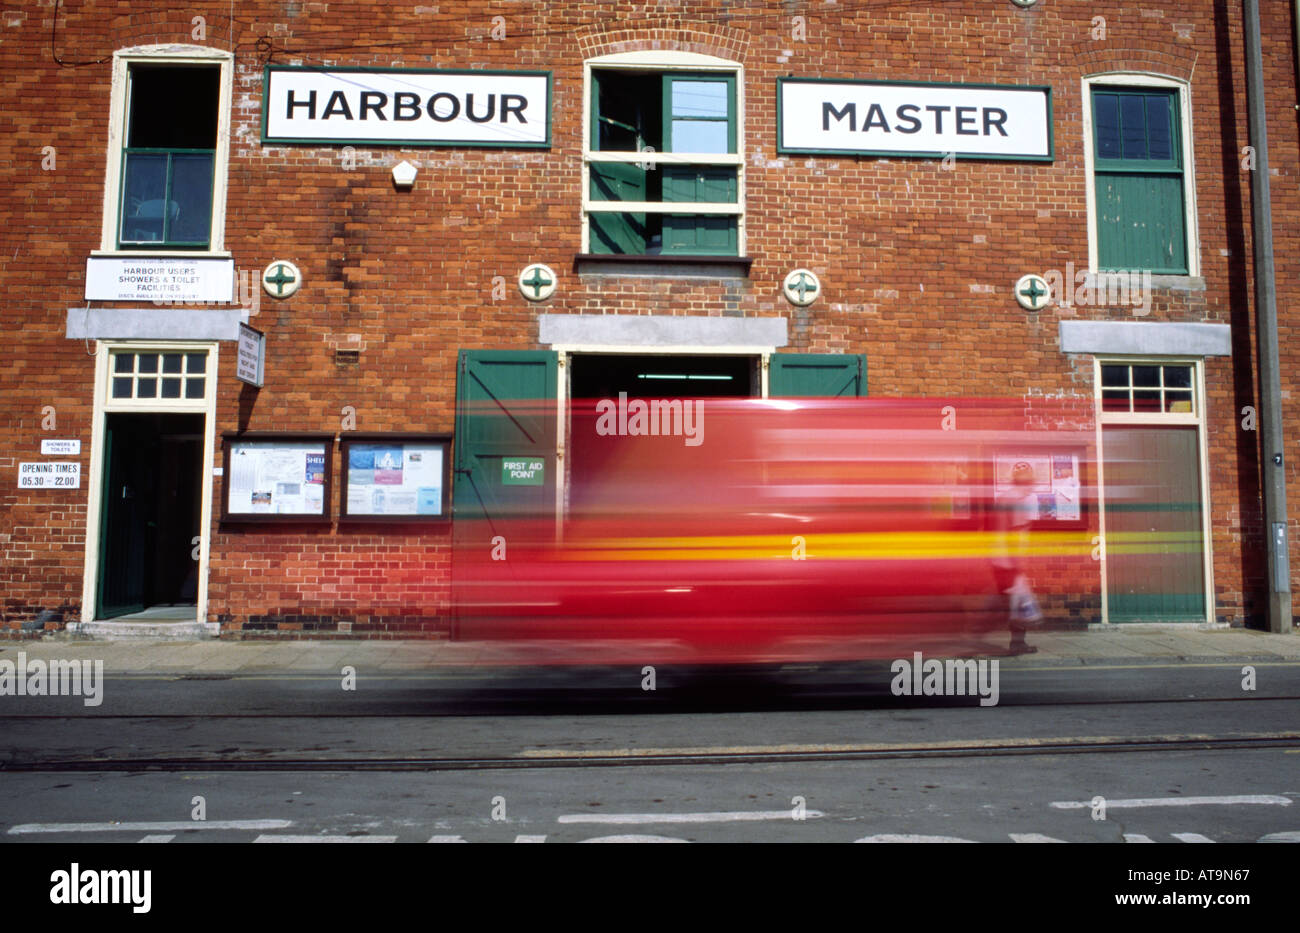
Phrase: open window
{"type": "Point", "coordinates": [663, 160]}
{"type": "Point", "coordinates": [168, 150]}
{"type": "Point", "coordinates": [169, 156]}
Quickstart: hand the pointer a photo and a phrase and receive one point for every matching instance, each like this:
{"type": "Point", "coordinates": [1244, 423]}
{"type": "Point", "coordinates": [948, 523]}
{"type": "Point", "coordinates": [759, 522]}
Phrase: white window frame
{"type": "Point", "coordinates": [662, 61]}
{"type": "Point", "coordinates": [105, 404]}
{"type": "Point", "coordinates": [1184, 93]}
{"type": "Point", "coordinates": [123, 59]}
{"type": "Point", "coordinates": [1195, 418]}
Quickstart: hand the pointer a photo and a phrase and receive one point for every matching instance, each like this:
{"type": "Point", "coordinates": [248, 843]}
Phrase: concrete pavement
{"type": "Point", "coordinates": [219, 656]}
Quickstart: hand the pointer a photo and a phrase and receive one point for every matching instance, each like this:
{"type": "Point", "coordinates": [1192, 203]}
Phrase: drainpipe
{"type": "Point", "coordinates": [1272, 465]}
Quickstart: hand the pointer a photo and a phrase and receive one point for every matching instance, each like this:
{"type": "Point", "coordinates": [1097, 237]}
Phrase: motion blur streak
{"type": "Point", "coordinates": [808, 529]}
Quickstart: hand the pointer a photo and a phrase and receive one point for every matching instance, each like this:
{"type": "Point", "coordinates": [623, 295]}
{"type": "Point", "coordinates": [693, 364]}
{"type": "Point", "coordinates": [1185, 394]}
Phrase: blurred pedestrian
{"type": "Point", "coordinates": [1015, 513]}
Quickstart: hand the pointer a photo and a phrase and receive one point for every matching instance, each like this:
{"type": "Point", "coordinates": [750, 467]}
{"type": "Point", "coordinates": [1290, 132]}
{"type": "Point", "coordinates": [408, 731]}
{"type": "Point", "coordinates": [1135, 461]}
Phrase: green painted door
{"type": "Point", "coordinates": [505, 412]}
{"type": "Point", "coordinates": [505, 409]}
{"type": "Point", "coordinates": [1155, 547]}
{"type": "Point", "coordinates": [123, 526]}
{"type": "Point", "coordinates": [817, 375]}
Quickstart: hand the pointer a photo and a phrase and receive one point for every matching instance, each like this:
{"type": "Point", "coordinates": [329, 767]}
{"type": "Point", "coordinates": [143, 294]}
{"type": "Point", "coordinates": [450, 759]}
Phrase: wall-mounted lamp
{"type": "Point", "coordinates": [404, 174]}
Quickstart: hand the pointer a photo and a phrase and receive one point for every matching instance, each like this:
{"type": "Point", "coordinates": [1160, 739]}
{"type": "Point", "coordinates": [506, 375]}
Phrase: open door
{"type": "Point", "coordinates": [122, 524]}
{"type": "Point", "coordinates": [816, 375]}
{"type": "Point", "coordinates": [150, 513]}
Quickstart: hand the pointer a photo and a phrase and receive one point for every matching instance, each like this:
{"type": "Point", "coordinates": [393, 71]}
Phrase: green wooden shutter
{"type": "Point", "coordinates": [618, 232]}
{"type": "Point", "coordinates": [505, 408]}
{"type": "Point", "coordinates": [1140, 223]}
{"type": "Point", "coordinates": [817, 375]}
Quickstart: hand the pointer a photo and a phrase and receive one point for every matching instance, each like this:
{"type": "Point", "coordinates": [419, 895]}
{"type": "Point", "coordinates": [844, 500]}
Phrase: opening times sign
{"type": "Point", "coordinates": [889, 118]}
{"type": "Point", "coordinates": [407, 108]}
{"type": "Point", "coordinates": [49, 475]}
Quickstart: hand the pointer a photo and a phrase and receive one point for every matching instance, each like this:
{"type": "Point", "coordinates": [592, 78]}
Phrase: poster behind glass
{"type": "Point", "coordinates": [394, 478]}
{"type": "Point", "coordinates": [276, 478]}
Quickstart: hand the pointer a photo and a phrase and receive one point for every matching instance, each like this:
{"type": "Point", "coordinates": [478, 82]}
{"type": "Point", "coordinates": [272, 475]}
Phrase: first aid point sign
{"type": "Point", "coordinates": [523, 472]}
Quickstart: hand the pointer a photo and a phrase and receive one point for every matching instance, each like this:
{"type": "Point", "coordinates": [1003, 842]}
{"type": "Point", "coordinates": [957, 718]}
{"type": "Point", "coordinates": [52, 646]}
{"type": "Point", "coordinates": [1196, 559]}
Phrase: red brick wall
{"type": "Point", "coordinates": [917, 261]}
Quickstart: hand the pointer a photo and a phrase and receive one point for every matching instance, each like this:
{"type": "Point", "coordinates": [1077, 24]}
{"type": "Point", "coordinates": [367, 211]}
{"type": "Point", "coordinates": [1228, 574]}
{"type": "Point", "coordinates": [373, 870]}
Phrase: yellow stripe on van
{"type": "Point", "coordinates": [846, 546]}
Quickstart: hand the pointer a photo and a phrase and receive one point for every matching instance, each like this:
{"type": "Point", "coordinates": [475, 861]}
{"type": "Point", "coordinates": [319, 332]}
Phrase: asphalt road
{"type": "Point", "coordinates": [1121, 752]}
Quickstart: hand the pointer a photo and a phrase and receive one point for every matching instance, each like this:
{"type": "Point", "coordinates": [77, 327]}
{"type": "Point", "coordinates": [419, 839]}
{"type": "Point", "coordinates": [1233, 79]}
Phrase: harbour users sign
{"type": "Point", "coordinates": [892, 118]}
{"type": "Point", "coordinates": [160, 279]}
{"type": "Point", "coordinates": [406, 107]}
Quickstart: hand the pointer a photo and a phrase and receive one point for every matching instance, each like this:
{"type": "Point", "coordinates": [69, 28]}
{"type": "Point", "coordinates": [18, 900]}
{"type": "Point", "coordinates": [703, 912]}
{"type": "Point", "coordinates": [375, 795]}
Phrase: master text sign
{"type": "Point", "coordinates": [888, 118]}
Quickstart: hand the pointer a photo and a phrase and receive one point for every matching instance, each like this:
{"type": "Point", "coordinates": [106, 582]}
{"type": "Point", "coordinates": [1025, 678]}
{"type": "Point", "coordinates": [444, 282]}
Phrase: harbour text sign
{"type": "Point", "coordinates": [407, 108]}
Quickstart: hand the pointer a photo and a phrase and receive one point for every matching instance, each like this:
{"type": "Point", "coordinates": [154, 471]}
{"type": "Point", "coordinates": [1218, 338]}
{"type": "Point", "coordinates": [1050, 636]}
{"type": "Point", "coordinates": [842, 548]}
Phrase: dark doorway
{"type": "Point", "coordinates": [151, 508]}
{"type": "Point", "coordinates": [599, 473]}
{"type": "Point", "coordinates": [598, 376]}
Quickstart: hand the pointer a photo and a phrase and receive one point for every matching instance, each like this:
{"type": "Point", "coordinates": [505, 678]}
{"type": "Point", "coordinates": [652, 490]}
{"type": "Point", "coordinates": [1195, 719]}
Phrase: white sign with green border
{"type": "Point", "coordinates": [895, 118]}
{"type": "Point", "coordinates": [411, 107]}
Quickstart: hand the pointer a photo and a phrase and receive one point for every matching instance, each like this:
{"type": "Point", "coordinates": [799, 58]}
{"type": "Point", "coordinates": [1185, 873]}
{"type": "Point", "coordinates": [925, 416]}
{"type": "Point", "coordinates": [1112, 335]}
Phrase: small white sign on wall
{"type": "Point", "coordinates": [250, 365]}
{"type": "Point", "coordinates": [59, 448]}
{"type": "Point", "coordinates": [49, 475]}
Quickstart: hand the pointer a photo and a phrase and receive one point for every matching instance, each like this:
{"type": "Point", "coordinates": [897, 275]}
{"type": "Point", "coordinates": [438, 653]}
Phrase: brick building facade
{"type": "Point", "coordinates": [113, 111]}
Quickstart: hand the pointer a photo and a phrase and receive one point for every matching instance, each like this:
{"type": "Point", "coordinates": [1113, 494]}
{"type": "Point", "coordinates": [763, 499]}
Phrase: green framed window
{"type": "Point", "coordinates": [642, 125]}
{"type": "Point", "coordinates": [169, 157]}
{"type": "Point", "coordinates": [1139, 174]}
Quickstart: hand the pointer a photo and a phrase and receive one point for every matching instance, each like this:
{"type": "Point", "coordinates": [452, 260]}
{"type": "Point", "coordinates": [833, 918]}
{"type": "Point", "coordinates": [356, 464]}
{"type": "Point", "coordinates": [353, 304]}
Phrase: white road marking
{"type": "Point", "coordinates": [1191, 837]}
{"type": "Point", "coordinates": [530, 838]}
{"type": "Point", "coordinates": [163, 837]}
{"type": "Point", "coordinates": [1032, 837]}
{"type": "Point", "coordinates": [1137, 837]}
{"type": "Point", "coordinates": [162, 826]}
{"type": "Point", "coordinates": [1229, 800]}
{"type": "Point", "coordinates": [910, 837]}
{"type": "Point", "coordinates": [446, 839]}
{"type": "Point", "coordinates": [1037, 742]}
{"type": "Point", "coordinates": [722, 816]}
{"type": "Point", "coordinates": [632, 837]}
{"type": "Point", "coordinates": [1288, 836]}
{"type": "Point", "coordinates": [278, 837]}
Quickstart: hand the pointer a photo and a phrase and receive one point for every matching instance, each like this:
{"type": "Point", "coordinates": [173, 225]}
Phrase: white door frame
{"type": "Point", "coordinates": [105, 405]}
{"type": "Point", "coordinates": [1195, 419]}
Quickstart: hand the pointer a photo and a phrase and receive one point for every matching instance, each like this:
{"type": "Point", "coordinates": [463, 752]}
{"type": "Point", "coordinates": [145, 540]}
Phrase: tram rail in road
{"type": "Point", "coordinates": [547, 758]}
